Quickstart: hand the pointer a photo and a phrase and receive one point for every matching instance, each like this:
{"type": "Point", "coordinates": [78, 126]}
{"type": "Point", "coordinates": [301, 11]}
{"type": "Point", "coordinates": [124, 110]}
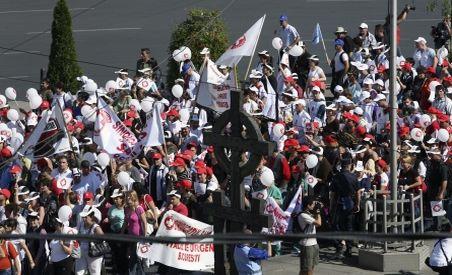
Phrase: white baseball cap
{"type": "Point", "coordinates": [358, 110]}
{"type": "Point", "coordinates": [300, 101]}
{"type": "Point", "coordinates": [368, 81]}
{"type": "Point", "coordinates": [379, 82]}
{"type": "Point", "coordinates": [338, 89]}
{"type": "Point", "coordinates": [421, 39]}
{"type": "Point", "coordinates": [363, 26]}
{"type": "Point", "coordinates": [379, 97]}
{"type": "Point", "coordinates": [365, 95]}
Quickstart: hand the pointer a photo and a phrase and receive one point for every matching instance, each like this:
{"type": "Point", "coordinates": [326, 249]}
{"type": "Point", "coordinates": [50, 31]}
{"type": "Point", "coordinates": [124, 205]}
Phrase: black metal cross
{"type": "Point", "coordinates": [238, 142]}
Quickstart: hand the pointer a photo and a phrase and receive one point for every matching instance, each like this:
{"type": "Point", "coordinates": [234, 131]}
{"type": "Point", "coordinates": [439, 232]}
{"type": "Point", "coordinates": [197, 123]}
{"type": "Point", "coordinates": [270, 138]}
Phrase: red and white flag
{"type": "Point", "coordinates": [111, 135]}
{"type": "Point", "coordinates": [244, 46]}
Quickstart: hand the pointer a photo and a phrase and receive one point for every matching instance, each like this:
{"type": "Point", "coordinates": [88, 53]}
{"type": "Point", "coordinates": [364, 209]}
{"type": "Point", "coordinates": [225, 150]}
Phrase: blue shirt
{"type": "Point", "coordinates": [247, 259]}
{"type": "Point", "coordinates": [288, 35]}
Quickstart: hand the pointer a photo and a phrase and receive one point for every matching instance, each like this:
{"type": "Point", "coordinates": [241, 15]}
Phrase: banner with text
{"type": "Point", "coordinates": [186, 256]}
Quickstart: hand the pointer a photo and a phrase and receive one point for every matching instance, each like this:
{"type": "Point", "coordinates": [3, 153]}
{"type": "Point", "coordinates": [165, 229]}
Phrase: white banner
{"type": "Point", "coordinates": [111, 135]}
{"type": "Point", "coordinates": [296, 202]}
{"type": "Point", "coordinates": [195, 256]}
{"type": "Point", "coordinates": [214, 90]}
{"type": "Point", "coordinates": [244, 46]}
{"type": "Point", "coordinates": [280, 218]}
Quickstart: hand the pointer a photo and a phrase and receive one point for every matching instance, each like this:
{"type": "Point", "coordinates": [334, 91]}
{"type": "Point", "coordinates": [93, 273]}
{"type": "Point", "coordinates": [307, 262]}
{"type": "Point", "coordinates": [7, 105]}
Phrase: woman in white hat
{"type": "Point", "coordinates": [316, 73]}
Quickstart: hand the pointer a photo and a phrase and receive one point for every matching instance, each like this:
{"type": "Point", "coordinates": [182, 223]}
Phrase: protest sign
{"type": "Point", "coordinates": [186, 256]}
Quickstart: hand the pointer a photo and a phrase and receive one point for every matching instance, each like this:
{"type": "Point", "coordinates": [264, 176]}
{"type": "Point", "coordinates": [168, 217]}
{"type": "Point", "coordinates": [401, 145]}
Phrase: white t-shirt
{"type": "Point", "coordinates": [306, 224]}
{"type": "Point", "coordinates": [438, 258]}
{"type": "Point", "coordinates": [338, 65]}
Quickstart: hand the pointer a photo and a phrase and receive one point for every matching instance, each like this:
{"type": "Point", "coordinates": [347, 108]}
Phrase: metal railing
{"type": "Point", "coordinates": [378, 217]}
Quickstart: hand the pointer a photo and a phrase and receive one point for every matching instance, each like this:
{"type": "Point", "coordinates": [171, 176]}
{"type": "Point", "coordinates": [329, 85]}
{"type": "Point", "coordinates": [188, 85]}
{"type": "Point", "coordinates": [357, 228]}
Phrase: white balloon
{"type": "Point", "coordinates": [177, 91]}
{"type": "Point", "coordinates": [443, 135]}
{"type": "Point", "coordinates": [135, 103]}
{"type": "Point", "coordinates": [124, 179]}
{"type": "Point", "coordinates": [417, 134]}
{"type": "Point", "coordinates": [111, 86]}
{"type": "Point", "coordinates": [65, 213]}
{"type": "Point", "coordinates": [11, 93]}
{"type": "Point", "coordinates": [31, 92]}
{"type": "Point", "coordinates": [186, 53]}
{"type": "Point", "coordinates": [184, 115]}
{"type": "Point", "coordinates": [103, 159]}
{"type": "Point", "coordinates": [296, 51]}
{"type": "Point", "coordinates": [425, 120]}
{"type": "Point", "coordinates": [177, 55]}
{"type": "Point", "coordinates": [12, 115]}
{"type": "Point", "coordinates": [278, 130]}
{"type": "Point", "coordinates": [311, 161]}
{"type": "Point", "coordinates": [92, 117]}
{"type": "Point", "coordinates": [35, 101]}
{"type": "Point", "coordinates": [267, 177]}
{"type": "Point", "coordinates": [90, 87]}
{"type": "Point", "coordinates": [91, 157]}
{"type": "Point", "coordinates": [146, 104]}
{"type": "Point", "coordinates": [2, 101]}
{"type": "Point", "coordinates": [67, 116]}
{"type": "Point", "coordinates": [277, 43]}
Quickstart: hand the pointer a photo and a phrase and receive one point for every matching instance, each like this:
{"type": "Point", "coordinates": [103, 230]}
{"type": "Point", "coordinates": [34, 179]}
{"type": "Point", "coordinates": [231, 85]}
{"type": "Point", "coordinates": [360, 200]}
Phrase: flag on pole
{"type": "Point", "coordinates": [49, 137]}
{"type": "Point", "coordinates": [317, 35]}
{"type": "Point", "coordinates": [111, 135]}
{"type": "Point", "coordinates": [214, 88]}
{"type": "Point", "coordinates": [155, 135]}
{"type": "Point", "coordinates": [244, 46]}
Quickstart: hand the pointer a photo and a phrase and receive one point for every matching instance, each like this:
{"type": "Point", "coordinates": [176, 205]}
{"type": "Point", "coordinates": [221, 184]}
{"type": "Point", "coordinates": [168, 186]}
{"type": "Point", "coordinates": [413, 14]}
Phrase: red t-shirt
{"type": "Point", "coordinates": [11, 253]}
{"type": "Point", "coordinates": [181, 209]}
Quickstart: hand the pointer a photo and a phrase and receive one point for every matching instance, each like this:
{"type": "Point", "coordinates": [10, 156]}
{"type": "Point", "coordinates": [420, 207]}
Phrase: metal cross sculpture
{"type": "Point", "coordinates": [237, 142]}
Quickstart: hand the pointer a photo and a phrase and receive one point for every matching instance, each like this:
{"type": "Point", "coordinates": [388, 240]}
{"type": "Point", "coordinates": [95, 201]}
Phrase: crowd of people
{"type": "Point", "coordinates": [337, 151]}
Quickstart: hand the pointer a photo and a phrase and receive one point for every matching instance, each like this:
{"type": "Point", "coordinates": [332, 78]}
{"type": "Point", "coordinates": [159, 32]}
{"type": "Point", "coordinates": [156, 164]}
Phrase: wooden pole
{"type": "Point", "coordinates": [324, 48]}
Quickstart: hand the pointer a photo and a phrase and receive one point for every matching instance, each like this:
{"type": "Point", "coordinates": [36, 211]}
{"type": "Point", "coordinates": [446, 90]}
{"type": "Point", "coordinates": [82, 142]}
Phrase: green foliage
{"type": "Point", "coordinates": [446, 6]}
{"type": "Point", "coordinates": [202, 28]}
{"type": "Point", "coordinates": [62, 60]}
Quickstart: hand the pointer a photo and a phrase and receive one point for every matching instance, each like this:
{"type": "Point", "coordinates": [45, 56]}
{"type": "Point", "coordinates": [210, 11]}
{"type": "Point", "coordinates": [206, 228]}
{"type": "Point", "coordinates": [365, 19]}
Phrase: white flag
{"type": "Point", "coordinates": [111, 135]}
{"type": "Point", "coordinates": [214, 90]}
{"type": "Point", "coordinates": [244, 46]}
{"type": "Point", "coordinates": [154, 134]}
{"type": "Point", "coordinates": [49, 137]}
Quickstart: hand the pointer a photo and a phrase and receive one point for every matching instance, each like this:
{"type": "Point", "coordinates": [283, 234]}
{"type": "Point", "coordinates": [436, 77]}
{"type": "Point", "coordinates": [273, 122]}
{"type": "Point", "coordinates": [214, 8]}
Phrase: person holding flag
{"type": "Point", "coordinates": [289, 36]}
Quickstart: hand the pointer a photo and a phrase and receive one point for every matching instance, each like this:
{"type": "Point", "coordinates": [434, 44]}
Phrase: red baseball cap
{"type": "Point", "coordinates": [430, 70]}
{"type": "Point", "coordinates": [407, 66]}
{"type": "Point", "coordinates": [201, 170]}
{"type": "Point", "coordinates": [184, 183]}
{"type": "Point", "coordinates": [291, 142]}
{"type": "Point", "coordinates": [347, 115]}
{"type": "Point", "coordinates": [178, 162]}
{"type": "Point", "coordinates": [6, 153]}
{"type": "Point", "coordinates": [44, 105]}
{"type": "Point", "coordinates": [382, 163]}
{"type": "Point", "coordinates": [172, 112]}
{"type": "Point", "coordinates": [404, 131]}
{"type": "Point", "coordinates": [157, 156]}
{"type": "Point", "coordinates": [6, 193]}
{"type": "Point", "coordinates": [355, 118]}
{"type": "Point", "coordinates": [330, 139]}
{"type": "Point", "coordinates": [434, 111]}
{"type": "Point", "coordinates": [360, 130]}
{"type": "Point", "coordinates": [200, 164]}
{"type": "Point", "coordinates": [303, 149]}
{"type": "Point", "coordinates": [15, 169]}
{"type": "Point", "coordinates": [447, 81]}
{"type": "Point", "coordinates": [88, 196]}
{"type": "Point", "coordinates": [147, 198]}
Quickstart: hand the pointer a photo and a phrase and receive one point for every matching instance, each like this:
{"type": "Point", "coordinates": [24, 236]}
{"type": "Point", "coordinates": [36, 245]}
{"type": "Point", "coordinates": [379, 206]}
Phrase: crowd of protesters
{"type": "Point", "coordinates": [349, 136]}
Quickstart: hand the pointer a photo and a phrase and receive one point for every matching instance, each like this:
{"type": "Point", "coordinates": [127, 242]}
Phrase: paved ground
{"type": "Point", "coordinates": [110, 32]}
{"type": "Point", "coordinates": [289, 264]}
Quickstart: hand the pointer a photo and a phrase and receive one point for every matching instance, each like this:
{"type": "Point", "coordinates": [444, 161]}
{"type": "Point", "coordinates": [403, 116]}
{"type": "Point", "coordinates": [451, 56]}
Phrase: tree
{"type": "Point", "coordinates": [446, 6]}
{"type": "Point", "coordinates": [202, 28]}
{"type": "Point", "coordinates": [63, 64]}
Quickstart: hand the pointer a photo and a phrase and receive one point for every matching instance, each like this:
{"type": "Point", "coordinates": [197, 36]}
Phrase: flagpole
{"type": "Point", "coordinates": [254, 49]}
{"type": "Point", "coordinates": [324, 47]}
